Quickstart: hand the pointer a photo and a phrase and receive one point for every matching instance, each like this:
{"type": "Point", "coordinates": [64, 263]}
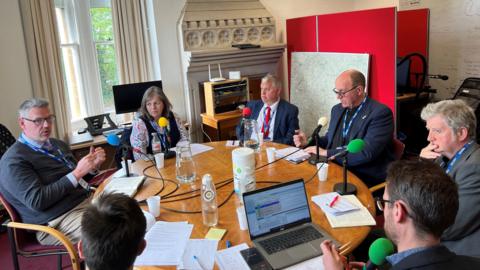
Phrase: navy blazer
{"type": "Point", "coordinates": [374, 125]}
{"type": "Point", "coordinates": [286, 121]}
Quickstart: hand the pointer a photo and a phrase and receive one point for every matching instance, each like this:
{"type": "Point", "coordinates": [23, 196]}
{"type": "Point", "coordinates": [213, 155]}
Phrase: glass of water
{"type": "Point", "coordinates": [185, 166]}
{"type": "Point", "coordinates": [250, 135]}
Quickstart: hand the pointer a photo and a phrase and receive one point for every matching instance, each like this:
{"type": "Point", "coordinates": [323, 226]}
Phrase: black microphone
{"type": "Point", "coordinates": [378, 251]}
{"type": "Point", "coordinates": [438, 76]}
{"type": "Point", "coordinates": [353, 147]}
{"type": "Point", "coordinates": [163, 123]}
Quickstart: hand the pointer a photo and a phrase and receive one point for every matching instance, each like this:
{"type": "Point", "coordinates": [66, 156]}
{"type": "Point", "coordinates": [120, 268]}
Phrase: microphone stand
{"type": "Point", "coordinates": [345, 188]}
{"type": "Point", "coordinates": [166, 151]}
{"type": "Point", "coordinates": [125, 160]}
{"type": "Point", "coordinates": [315, 159]}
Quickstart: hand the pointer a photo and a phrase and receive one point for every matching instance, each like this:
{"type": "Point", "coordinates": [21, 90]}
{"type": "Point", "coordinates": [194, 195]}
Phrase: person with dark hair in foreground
{"type": "Point", "coordinates": [419, 203]}
{"type": "Point", "coordinates": [113, 230]}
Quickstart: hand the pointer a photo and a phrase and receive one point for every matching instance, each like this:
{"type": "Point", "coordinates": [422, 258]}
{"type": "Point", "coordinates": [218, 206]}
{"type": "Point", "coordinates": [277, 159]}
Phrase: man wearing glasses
{"type": "Point", "coordinates": [40, 177]}
{"type": "Point", "coordinates": [357, 117]}
{"type": "Point", "coordinates": [419, 203]}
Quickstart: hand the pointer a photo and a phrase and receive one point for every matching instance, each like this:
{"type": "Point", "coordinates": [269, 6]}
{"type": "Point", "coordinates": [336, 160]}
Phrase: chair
{"type": "Point", "coordinates": [6, 139]}
{"type": "Point", "coordinates": [23, 241]}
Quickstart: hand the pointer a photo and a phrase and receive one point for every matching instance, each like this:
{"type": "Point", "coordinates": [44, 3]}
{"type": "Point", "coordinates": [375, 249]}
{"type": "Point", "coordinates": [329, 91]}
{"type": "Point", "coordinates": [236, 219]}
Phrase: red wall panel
{"type": "Point", "coordinates": [368, 31]}
{"type": "Point", "coordinates": [301, 37]}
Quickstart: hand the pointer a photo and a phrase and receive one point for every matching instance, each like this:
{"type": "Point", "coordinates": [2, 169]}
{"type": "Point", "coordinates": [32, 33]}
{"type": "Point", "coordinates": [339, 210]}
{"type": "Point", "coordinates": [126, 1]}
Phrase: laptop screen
{"type": "Point", "coordinates": [276, 208]}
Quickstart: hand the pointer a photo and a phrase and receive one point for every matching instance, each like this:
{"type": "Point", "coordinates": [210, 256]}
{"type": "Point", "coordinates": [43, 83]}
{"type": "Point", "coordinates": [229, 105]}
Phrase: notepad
{"type": "Point", "coordinates": [361, 217]}
{"type": "Point", "coordinates": [215, 233]}
{"type": "Point", "coordinates": [125, 185]}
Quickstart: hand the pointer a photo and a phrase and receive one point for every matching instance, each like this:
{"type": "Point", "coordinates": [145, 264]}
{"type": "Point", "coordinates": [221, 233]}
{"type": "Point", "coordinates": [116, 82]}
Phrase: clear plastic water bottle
{"type": "Point", "coordinates": [156, 145]}
{"type": "Point", "coordinates": [209, 202]}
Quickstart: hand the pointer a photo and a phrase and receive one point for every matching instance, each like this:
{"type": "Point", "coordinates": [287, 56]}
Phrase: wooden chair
{"type": "Point", "coordinates": [23, 241]}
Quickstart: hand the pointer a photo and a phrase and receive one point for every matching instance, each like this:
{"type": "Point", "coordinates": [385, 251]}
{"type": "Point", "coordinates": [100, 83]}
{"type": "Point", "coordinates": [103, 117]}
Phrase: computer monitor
{"type": "Point", "coordinates": [403, 74]}
{"type": "Point", "coordinates": [128, 97]}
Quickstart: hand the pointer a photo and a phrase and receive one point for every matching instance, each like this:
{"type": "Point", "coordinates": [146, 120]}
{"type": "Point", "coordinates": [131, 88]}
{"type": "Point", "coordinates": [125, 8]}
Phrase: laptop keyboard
{"type": "Point", "coordinates": [290, 239]}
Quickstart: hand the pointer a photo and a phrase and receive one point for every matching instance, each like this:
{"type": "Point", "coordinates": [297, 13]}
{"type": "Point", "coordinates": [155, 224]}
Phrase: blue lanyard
{"type": "Point", "coordinates": [346, 128]}
{"type": "Point", "coordinates": [161, 135]}
{"type": "Point", "coordinates": [272, 114]}
{"type": "Point", "coordinates": [61, 158]}
{"type": "Point", "coordinates": [456, 157]}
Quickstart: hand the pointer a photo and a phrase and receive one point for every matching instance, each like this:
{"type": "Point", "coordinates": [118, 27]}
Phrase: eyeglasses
{"type": "Point", "coordinates": [41, 121]}
{"type": "Point", "coordinates": [342, 93]}
{"type": "Point", "coordinates": [381, 203]}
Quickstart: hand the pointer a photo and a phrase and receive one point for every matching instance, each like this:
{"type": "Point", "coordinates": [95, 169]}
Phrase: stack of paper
{"type": "Point", "coordinates": [125, 185]}
{"type": "Point", "coordinates": [203, 249]}
{"type": "Point", "coordinates": [196, 148]}
{"type": "Point", "coordinates": [360, 217]}
{"type": "Point", "coordinates": [297, 154]}
{"type": "Point", "coordinates": [166, 243]}
{"type": "Point", "coordinates": [231, 258]}
{"type": "Point", "coordinates": [340, 204]}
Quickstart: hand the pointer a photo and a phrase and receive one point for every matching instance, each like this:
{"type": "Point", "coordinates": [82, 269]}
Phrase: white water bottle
{"type": "Point", "coordinates": [209, 202]}
{"type": "Point", "coordinates": [156, 145]}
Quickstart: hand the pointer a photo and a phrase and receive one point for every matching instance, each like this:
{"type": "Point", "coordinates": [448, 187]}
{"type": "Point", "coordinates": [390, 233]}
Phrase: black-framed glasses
{"type": "Point", "coordinates": [381, 203]}
{"type": "Point", "coordinates": [41, 121]}
{"type": "Point", "coordinates": [342, 93]}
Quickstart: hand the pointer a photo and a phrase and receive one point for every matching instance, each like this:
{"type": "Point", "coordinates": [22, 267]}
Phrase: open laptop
{"type": "Point", "coordinates": [279, 224]}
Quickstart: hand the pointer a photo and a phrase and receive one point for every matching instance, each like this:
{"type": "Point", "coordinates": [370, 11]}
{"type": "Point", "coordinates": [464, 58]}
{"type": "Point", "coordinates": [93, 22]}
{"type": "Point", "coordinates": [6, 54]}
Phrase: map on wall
{"type": "Point", "coordinates": [313, 77]}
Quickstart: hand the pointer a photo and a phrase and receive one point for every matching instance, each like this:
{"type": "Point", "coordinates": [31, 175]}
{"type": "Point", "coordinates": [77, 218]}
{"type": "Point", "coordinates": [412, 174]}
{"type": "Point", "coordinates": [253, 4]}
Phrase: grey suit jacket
{"type": "Point", "coordinates": [463, 237]}
{"type": "Point", "coordinates": [36, 185]}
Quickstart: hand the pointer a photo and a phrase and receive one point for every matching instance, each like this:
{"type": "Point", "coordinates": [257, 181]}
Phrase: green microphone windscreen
{"type": "Point", "coordinates": [379, 250]}
{"type": "Point", "coordinates": [355, 146]}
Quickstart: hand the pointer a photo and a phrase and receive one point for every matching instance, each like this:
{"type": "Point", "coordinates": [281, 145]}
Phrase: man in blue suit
{"type": "Point", "coordinates": [357, 117]}
{"type": "Point", "coordinates": [277, 119]}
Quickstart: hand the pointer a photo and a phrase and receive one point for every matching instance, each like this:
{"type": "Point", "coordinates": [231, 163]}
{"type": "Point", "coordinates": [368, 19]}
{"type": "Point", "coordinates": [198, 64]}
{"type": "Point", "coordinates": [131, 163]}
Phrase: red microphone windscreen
{"type": "Point", "coordinates": [246, 112]}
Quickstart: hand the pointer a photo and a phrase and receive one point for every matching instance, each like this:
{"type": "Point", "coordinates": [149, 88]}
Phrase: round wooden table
{"type": "Point", "coordinates": [180, 202]}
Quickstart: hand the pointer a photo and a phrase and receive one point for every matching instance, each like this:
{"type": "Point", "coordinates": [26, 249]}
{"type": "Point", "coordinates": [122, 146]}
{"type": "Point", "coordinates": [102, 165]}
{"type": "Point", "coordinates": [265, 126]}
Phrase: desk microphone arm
{"type": "Point", "coordinates": [345, 188]}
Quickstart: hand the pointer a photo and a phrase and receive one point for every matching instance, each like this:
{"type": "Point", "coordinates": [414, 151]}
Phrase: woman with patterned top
{"type": "Point", "coordinates": [155, 105]}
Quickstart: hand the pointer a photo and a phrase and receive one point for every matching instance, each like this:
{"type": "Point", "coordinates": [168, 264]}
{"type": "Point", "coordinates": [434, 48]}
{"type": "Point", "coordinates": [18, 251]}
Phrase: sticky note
{"type": "Point", "coordinates": [215, 233]}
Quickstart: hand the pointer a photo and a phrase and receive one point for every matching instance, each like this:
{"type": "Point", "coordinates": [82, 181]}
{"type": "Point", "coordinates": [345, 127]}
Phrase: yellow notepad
{"type": "Point", "coordinates": [215, 233]}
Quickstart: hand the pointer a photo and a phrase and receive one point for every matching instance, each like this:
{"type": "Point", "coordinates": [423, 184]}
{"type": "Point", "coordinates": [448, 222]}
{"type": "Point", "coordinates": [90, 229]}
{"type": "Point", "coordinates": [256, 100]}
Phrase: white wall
{"type": "Point", "coordinates": [15, 83]}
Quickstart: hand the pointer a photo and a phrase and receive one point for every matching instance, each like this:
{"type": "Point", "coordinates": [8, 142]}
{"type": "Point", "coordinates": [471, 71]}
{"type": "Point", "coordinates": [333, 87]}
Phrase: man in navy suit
{"type": "Point", "coordinates": [277, 119]}
{"type": "Point", "coordinates": [357, 117]}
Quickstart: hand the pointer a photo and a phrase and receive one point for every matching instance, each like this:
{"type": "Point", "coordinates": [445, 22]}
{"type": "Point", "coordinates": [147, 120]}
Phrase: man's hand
{"type": "Point", "coordinates": [99, 156]}
{"type": "Point", "coordinates": [84, 166]}
{"type": "Point", "coordinates": [429, 152]}
{"type": "Point", "coordinates": [299, 139]}
{"type": "Point", "coordinates": [311, 149]}
{"type": "Point", "coordinates": [331, 259]}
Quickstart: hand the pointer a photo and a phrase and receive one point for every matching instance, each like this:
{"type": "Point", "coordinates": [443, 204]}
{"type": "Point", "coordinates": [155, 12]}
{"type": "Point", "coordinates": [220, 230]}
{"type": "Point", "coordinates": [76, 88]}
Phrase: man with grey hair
{"type": "Point", "coordinates": [40, 177]}
{"type": "Point", "coordinates": [451, 128]}
{"type": "Point", "coordinates": [276, 118]}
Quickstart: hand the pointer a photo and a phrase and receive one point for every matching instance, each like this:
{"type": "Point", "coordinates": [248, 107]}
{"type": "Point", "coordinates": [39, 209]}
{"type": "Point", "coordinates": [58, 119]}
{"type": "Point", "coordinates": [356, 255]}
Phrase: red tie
{"type": "Point", "coordinates": [266, 123]}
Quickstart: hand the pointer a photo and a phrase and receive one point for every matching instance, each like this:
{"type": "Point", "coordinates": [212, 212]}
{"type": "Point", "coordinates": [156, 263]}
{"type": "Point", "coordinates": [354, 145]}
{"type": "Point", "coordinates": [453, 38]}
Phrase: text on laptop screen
{"type": "Point", "coordinates": [275, 208]}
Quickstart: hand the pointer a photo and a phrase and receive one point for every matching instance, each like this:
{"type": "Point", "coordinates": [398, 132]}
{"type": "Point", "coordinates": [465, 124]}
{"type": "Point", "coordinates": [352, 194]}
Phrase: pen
{"type": "Point", "coordinates": [199, 262]}
{"type": "Point", "coordinates": [228, 244]}
{"type": "Point", "coordinates": [333, 201]}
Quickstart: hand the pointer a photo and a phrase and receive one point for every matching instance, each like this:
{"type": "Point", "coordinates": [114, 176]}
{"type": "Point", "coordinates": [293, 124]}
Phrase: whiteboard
{"type": "Point", "coordinates": [313, 77]}
{"type": "Point", "coordinates": [454, 41]}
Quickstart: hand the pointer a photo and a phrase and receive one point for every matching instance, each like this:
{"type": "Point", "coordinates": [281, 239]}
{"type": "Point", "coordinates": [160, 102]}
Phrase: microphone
{"type": "Point", "coordinates": [163, 123]}
{"type": "Point", "coordinates": [353, 147]}
{"type": "Point", "coordinates": [378, 251]}
{"type": "Point", "coordinates": [438, 76]}
{"type": "Point", "coordinates": [322, 121]}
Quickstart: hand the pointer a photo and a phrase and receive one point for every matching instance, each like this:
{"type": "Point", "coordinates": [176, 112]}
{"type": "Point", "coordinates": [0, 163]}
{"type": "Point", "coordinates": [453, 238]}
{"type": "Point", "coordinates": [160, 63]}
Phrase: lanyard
{"type": "Point", "coordinates": [161, 132]}
{"type": "Point", "coordinates": [456, 157]}
{"type": "Point", "coordinates": [61, 158]}
{"type": "Point", "coordinates": [346, 127]}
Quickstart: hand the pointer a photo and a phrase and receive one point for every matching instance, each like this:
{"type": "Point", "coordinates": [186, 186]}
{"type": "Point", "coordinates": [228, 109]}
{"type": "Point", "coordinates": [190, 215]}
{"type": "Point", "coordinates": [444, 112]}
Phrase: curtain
{"type": "Point", "coordinates": [132, 42]}
{"type": "Point", "coordinates": [44, 60]}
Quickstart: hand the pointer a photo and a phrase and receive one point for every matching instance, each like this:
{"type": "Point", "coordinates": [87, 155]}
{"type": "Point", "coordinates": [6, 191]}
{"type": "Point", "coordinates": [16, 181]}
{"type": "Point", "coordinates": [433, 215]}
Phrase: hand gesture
{"type": "Point", "coordinates": [99, 156]}
{"type": "Point", "coordinates": [300, 139]}
{"type": "Point", "coordinates": [429, 152]}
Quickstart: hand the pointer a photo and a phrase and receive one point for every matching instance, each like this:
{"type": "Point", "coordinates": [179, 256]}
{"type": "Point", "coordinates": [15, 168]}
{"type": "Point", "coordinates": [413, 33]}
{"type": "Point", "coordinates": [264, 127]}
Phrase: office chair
{"type": "Point", "coordinates": [23, 241]}
{"type": "Point", "coordinates": [6, 139]}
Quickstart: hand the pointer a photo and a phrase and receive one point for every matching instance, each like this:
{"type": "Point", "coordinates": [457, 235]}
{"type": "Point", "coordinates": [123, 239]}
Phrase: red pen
{"type": "Point", "coordinates": [333, 201]}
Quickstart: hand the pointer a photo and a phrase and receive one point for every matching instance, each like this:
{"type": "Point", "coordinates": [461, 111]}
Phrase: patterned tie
{"type": "Point", "coordinates": [266, 123]}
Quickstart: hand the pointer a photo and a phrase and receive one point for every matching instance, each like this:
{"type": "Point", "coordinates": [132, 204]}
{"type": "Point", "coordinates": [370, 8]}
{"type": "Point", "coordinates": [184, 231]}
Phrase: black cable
{"type": "Point", "coordinates": [316, 172]}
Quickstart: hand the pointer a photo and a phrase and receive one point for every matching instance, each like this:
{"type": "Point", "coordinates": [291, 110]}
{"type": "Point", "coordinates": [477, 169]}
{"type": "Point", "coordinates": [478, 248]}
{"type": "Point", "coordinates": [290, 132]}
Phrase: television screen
{"type": "Point", "coordinates": [128, 97]}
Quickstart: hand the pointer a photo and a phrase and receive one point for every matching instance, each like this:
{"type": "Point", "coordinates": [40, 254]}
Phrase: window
{"type": "Point", "coordinates": [88, 54]}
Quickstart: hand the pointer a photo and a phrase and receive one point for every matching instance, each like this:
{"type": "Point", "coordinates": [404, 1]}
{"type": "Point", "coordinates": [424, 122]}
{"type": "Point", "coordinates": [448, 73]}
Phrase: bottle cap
{"type": "Point", "coordinates": [206, 179]}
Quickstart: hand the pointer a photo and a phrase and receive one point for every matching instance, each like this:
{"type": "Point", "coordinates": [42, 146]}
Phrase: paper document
{"type": "Point", "coordinates": [197, 148]}
{"type": "Point", "coordinates": [204, 249]}
{"type": "Point", "coordinates": [296, 157]}
{"type": "Point", "coordinates": [231, 258]}
{"type": "Point", "coordinates": [340, 206]}
{"type": "Point", "coordinates": [312, 264]}
{"type": "Point", "coordinates": [362, 217]}
{"type": "Point", "coordinates": [125, 185]}
{"type": "Point", "coordinates": [232, 143]}
{"type": "Point", "coordinates": [166, 242]}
